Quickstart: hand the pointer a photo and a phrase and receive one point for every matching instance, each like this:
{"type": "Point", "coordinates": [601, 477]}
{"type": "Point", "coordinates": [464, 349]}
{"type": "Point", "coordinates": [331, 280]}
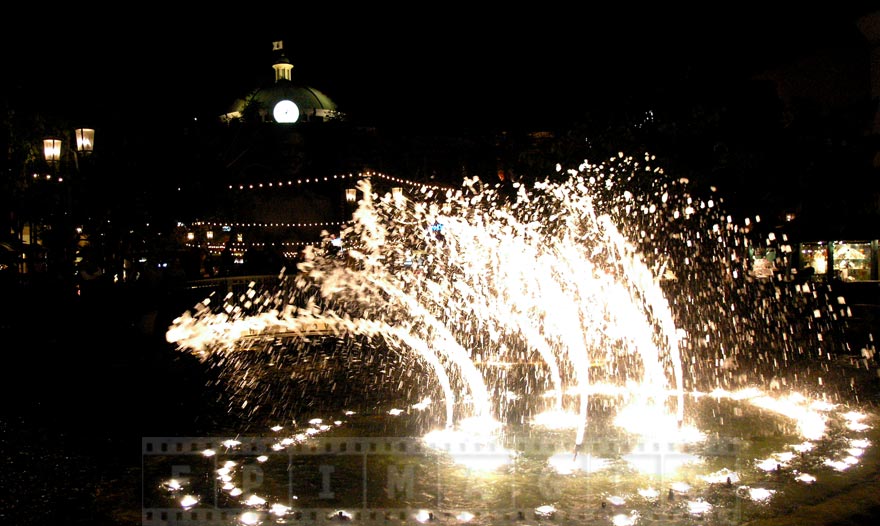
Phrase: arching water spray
{"type": "Point", "coordinates": [565, 272]}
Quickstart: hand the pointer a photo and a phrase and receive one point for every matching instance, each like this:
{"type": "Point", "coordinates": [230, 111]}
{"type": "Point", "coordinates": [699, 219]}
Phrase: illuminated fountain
{"type": "Point", "coordinates": [603, 304]}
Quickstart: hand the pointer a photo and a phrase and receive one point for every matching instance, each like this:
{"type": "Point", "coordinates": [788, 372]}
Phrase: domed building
{"type": "Point", "coordinates": [285, 163]}
{"type": "Point", "coordinates": [285, 129]}
{"type": "Point", "coordinates": [284, 101]}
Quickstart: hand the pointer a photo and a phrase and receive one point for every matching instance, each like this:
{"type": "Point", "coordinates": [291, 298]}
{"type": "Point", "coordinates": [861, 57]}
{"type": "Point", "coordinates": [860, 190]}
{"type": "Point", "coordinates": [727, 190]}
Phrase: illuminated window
{"type": "Point", "coordinates": [815, 255]}
{"type": "Point", "coordinates": [852, 261]}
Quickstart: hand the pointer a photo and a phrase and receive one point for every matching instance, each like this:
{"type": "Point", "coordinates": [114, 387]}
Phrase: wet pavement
{"type": "Point", "coordinates": [85, 379]}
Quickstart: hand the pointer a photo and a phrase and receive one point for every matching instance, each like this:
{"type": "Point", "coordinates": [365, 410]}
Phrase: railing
{"type": "Point", "coordinates": [234, 284]}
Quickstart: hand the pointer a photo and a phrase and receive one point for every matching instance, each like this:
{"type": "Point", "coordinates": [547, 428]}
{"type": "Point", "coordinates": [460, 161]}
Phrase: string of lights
{"type": "Point", "coordinates": [240, 245]}
{"type": "Point", "coordinates": [267, 225]}
{"type": "Point", "coordinates": [256, 244]}
{"type": "Point", "coordinates": [329, 178]}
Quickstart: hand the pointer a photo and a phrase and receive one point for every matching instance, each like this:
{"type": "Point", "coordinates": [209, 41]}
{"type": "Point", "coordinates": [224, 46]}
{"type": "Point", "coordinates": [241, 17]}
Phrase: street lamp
{"type": "Point", "coordinates": [85, 144]}
{"type": "Point", "coordinates": [56, 207]}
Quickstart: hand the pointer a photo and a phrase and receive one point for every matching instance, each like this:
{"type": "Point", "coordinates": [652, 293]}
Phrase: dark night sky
{"type": "Point", "coordinates": [413, 64]}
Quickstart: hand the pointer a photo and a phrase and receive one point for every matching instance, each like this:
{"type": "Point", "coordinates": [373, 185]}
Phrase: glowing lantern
{"type": "Point", "coordinates": [85, 140]}
{"type": "Point", "coordinates": [52, 150]}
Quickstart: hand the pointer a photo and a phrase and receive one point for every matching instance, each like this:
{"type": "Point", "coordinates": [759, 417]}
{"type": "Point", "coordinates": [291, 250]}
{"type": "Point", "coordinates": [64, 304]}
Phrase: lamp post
{"type": "Point", "coordinates": [85, 145]}
{"type": "Point", "coordinates": [53, 225]}
{"type": "Point", "coordinates": [54, 153]}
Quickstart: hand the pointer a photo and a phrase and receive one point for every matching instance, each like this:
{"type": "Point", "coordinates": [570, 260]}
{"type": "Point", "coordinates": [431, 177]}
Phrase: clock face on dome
{"type": "Point", "coordinates": [286, 111]}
